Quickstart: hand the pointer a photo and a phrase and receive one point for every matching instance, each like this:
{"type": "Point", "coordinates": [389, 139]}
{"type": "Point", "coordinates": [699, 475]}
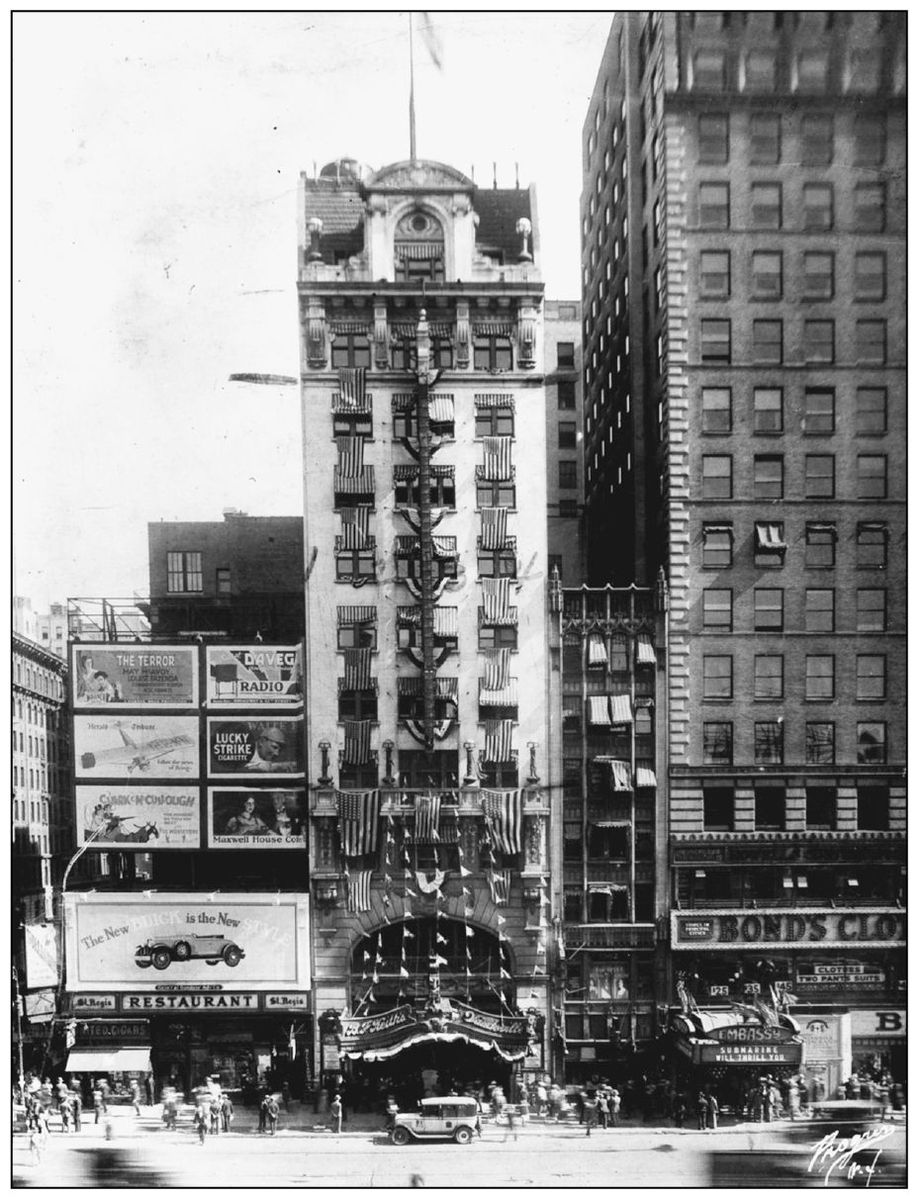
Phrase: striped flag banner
{"type": "Point", "coordinates": [358, 669]}
{"type": "Point", "coordinates": [497, 668]}
{"type": "Point", "coordinates": [503, 814]}
{"type": "Point", "coordinates": [360, 890]}
{"type": "Point", "coordinates": [496, 599]}
{"type": "Point", "coordinates": [493, 527]}
{"type": "Point", "coordinates": [355, 528]}
{"type": "Point", "coordinates": [426, 819]}
{"type": "Point", "coordinates": [498, 458]}
{"type": "Point", "coordinates": [358, 821]}
{"type": "Point", "coordinates": [352, 386]}
{"type": "Point", "coordinates": [357, 742]}
{"type": "Point", "coordinates": [350, 455]}
{"type": "Point", "coordinates": [499, 880]}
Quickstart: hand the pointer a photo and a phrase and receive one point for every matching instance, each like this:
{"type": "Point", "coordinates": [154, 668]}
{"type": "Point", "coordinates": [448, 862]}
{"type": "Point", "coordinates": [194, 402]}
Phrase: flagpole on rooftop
{"type": "Point", "coordinates": [413, 114]}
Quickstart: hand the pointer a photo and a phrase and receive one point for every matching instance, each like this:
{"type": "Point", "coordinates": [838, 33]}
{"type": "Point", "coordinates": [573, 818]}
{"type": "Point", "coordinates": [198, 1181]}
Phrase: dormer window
{"type": "Point", "coordinates": [419, 249]}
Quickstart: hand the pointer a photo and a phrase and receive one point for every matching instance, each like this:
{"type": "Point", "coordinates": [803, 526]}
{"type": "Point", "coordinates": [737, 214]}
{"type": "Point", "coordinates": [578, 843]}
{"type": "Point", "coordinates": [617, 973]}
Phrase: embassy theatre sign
{"type": "Point", "coordinates": [869, 927]}
{"type": "Point", "coordinates": [719, 1037]}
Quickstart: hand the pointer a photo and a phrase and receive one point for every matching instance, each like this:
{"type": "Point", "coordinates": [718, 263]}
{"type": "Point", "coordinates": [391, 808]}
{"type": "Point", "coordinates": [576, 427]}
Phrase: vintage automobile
{"type": "Point", "coordinates": [451, 1118]}
{"type": "Point", "coordinates": [211, 949]}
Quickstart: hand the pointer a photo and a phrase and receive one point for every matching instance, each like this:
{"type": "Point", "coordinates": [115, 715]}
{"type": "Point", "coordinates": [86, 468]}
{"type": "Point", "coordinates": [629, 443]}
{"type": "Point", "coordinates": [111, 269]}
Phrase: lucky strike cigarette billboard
{"type": "Point", "coordinates": [136, 747]}
{"type": "Point", "coordinates": [238, 747]}
{"type": "Point", "coordinates": [239, 818]}
{"type": "Point", "coordinates": [135, 675]}
{"type": "Point", "coordinates": [142, 817]}
{"type": "Point", "coordinates": [174, 942]}
{"type": "Point", "coordinates": [254, 675]}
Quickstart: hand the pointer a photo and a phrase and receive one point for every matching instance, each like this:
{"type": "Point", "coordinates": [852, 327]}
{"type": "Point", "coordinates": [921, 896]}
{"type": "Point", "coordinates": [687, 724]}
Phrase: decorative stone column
{"type": "Point", "coordinates": [526, 334]}
{"type": "Point", "coordinates": [317, 332]}
{"type": "Point", "coordinates": [463, 333]}
{"type": "Point", "coordinates": [381, 335]}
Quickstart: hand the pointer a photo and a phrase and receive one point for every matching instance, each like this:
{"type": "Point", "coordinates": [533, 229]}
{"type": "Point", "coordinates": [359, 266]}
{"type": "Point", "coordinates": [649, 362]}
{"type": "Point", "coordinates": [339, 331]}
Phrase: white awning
{"type": "Point", "coordinates": [109, 1060]}
{"type": "Point", "coordinates": [645, 776]}
{"type": "Point", "coordinates": [599, 709]}
{"type": "Point", "coordinates": [769, 536]}
{"type": "Point", "coordinates": [620, 709]}
{"type": "Point", "coordinates": [596, 650]}
{"type": "Point", "coordinates": [645, 652]}
{"type": "Point", "coordinates": [504, 696]}
{"type": "Point", "coordinates": [442, 409]}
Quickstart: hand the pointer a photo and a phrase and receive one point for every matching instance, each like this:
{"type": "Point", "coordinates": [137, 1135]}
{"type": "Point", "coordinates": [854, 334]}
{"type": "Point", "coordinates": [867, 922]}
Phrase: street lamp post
{"type": "Point", "coordinates": [59, 991]}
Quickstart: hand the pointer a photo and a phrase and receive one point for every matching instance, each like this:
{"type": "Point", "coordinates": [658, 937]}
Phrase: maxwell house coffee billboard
{"type": "Point", "coordinates": [254, 675]}
{"type": "Point", "coordinates": [173, 942]}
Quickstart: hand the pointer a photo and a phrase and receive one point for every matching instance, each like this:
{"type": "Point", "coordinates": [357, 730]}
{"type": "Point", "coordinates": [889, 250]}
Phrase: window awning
{"type": "Point", "coordinates": [418, 250]}
{"type": "Point", "coordinates": [596, 650]}
{"type": "Point", "coordinates": [599, 709]}
{"type": "Point", "coordinates": [620, 709]}
{"type": "Point", "coordinates": [442, 409]}
{"type": "Point", "coordinates": [109, 1060]}
{"type": "Point", "coordinates": [645, 776]}
{"type": "Point", "coordinates": [347, 616]}
{"type": "Point", "coordinates": [619, 771]}
{"type": "Point", "coordinates": [362, 483]}
{"type": "Point", "coordinates": [445, 621]}
{"type": "Point", "coordinates": [445, 688]}
{"type": "Point", "coordinates": [610, 823]}
{"type": "Point", "coordinates": [769, 536]}
{"type": "Point", "coordinates": [444, 547]}
{"type": "Point", "coordinates": [503, 696]}
{"type": "Point", "coordinates": [493, 399]}
{"type": "Point", "coordinates": [644, 652]}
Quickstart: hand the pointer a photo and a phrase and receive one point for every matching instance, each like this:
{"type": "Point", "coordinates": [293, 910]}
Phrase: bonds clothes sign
{"type": "Point", "coordinates": [870, 927]}
{"type": "Point", "coordinates": [135, 676]}
{"type": "Point", "coordinates": [254, 675]}
{"type": "Point", "coordinates": [123, 942]}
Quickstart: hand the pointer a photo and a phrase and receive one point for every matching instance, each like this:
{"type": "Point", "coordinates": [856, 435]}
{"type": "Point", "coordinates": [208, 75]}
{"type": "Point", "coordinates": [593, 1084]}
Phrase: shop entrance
{"type": "Point", "coordinates": [433, 1068]}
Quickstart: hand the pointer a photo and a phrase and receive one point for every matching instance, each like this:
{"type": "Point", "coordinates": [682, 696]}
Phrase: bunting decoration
{"type": "Point", "coordinates": [360, 891]}
{"type": "Point", "coordinates": [503, 814]}
{"type": "Point", "coordinates": [357, 811]}
{"type": "Point", "coordinates": [426, 885]}
{"type": "Point", "coordinates": [499, 881]}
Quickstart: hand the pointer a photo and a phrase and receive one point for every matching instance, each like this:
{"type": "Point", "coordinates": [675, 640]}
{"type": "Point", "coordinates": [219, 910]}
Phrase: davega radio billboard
{"type": "Point", "coordinates": [183, 942]}
{"type": "Point", "coordinates": [254, 675]}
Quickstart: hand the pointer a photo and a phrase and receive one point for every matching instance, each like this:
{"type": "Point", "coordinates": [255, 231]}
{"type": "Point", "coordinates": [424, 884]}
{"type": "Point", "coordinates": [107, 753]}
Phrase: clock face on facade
{"type": "Point", "coordinates": [418, 225]}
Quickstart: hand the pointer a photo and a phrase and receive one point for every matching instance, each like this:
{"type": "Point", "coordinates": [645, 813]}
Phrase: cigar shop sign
{"type": "Point", "coordinates": [868, 927]}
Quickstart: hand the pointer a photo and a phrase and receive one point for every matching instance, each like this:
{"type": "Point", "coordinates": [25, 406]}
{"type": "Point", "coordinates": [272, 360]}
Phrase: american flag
{"type": "Point", "coordinates": [499, 880]}
{"type": "Point", "coordinates": [426, 819]}
{"type": "Point", "coordinates": [360, 890]}
{"type": "Point", "coordinates": [496, 599]}
{"type": "Point", "coordinates": [357, 669]}
{"type": "Point", "coordinates": [350, 451]}
{"type": "Point", "coordinates": [493, 528]}
{"type": "Point", "coordinates": [498, 457]}
{"type": "Point", "coordinates": [352, 386]}
{"type": "Point", "coordinates": [503, 813]}
{"type": "Point", "coordinates": [357, 742]}
{"type": "Point", "coordinates": [355, 528]}
{"type": "Point", "coordinates": [358, 819]}
{"type": "Point", "coordinates": [497, 669]}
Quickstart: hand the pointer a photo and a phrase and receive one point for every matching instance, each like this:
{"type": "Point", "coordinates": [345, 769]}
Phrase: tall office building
{"type": "Point", "coordinates": [564, 440]}
{"type": "Point", "coordinates": [426, 547]}
{"type": "Point", "coordinates": [744, 297]}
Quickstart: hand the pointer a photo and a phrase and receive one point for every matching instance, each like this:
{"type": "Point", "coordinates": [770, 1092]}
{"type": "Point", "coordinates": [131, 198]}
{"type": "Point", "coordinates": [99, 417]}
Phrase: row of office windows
{"type": "Point", "coordinates": [870, 272]}
{"type": "Point", "coordinates": [490, 353]}
{"type": "Point", "coordinates": [869, 479]}
{"type": "Point", "coordinates": [766, 610]}
{"type": "Point", "coordinates": [771, 811]}
{"type": "Point", "coordinates": [354, 565]}
{"type": "Point", "coordinates": [818, 144]}
{"type": "Point", "coordinates": [765, 208]}
{"type": "Point", "coordinates": [363, 634]}
{"type": "Point", "coordinates": [818, 683]}
{"type": "Point", "coordinates": [818, 747]}
{"type": "Point", "coordinates": [816, 411]}
{"type": "Point", "coordinates": [820, 542]}
{"type": "Point", "coordinates": [866, 344]}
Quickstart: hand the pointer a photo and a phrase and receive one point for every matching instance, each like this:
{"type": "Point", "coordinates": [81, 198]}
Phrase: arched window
{"type": "Point", "coordinates": [419, 248]}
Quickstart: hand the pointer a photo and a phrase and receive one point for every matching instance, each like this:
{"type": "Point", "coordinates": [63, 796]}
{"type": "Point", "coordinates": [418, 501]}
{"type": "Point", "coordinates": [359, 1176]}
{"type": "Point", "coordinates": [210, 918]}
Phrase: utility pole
{"type": "Point", "coordinates": [17, 995]}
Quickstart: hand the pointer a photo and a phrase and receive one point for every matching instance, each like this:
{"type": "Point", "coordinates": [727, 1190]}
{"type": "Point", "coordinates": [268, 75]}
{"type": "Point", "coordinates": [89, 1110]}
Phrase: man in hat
{"type": "Point", "coordinates": [267, 756]}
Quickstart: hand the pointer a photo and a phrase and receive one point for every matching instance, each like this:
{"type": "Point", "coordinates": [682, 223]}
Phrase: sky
{"type": "Point", "coordinates": [155, 167]}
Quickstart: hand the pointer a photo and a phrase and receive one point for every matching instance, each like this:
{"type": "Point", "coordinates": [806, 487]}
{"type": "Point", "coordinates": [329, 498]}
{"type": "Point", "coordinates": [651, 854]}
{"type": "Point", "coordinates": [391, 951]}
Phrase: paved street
{"type": "Point", "coordinates": [142, 1153]}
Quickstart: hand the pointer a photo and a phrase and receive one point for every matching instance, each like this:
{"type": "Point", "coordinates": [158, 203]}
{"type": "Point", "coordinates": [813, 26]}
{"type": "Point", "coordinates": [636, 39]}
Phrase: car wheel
{"type": "Point", "coordinates": [143, 964]}
{"type": "Point", "coordinates": [400, 1136]}
{"type": "Point", "coordinates": [232, 955]}
{"type": "Point", "coordinates": [160, 958]}
{"type": "Point", "coordinates": [182, 950]}
{"type": "Point", "coordinates": [463, 1135]}
{"type": "Point", "coordinates": [211, 962]}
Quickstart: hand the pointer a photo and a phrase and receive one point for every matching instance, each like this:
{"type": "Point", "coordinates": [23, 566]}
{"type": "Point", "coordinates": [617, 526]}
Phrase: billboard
{"type": "Point", "coordinates": [187, 942]}
{"type": "Point", "coordinates": [146, 817]}
{"type": "Point", "coordinates": [254, 675]}
{"type": "Point", "coordinates": [256, 819]}
{"type": "Point", "coordinates": [41, 955]}
{"type": "Point", "coordinates": [135, 676]}
{"type": "Point", "coordinates": [240, 747]}
{"type": "Point", "coordinates": [133, 746]}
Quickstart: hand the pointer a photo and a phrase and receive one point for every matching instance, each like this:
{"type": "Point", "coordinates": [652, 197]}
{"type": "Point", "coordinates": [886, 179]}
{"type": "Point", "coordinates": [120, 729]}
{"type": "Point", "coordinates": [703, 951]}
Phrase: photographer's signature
{"type": "Point", "coordinates": [833, 1155]}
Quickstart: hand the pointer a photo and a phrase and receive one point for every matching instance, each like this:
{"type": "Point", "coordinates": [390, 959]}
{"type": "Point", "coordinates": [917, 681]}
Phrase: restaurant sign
{"type": "Point", "coordinates": [869, 927]}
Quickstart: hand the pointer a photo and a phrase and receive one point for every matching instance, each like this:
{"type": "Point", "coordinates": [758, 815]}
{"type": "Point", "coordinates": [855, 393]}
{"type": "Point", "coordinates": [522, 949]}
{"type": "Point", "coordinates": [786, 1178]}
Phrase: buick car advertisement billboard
{"type": "Point", "coordinates": [135, 675]}
{"type": "Point", "coordinates": [170, 942]}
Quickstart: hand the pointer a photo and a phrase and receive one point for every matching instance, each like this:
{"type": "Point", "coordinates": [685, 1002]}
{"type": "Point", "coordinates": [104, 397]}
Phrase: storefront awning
{"type": "Point", "coordinates": [109, 1060]}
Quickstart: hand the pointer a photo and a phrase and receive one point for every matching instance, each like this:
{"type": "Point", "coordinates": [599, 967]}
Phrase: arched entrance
{"type": "Point", "coordinates": [432, 1013]}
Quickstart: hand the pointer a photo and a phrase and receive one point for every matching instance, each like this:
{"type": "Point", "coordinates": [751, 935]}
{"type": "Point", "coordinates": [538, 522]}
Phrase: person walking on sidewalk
{"type": "Point", "coordinates": [615, 1106]}
{"type": "Point", "coordinates": [263, 1096]}
{"type": "Point", "coordinates": [603, 1110]}
{"type": "Point", "coordinates": [590, 1105]}
{"type": "Point", "coordinates": [701, 1104]}
{"type": "Point", "coordinates": [136, 1096]}
{"type": "Point", "coordinates": [99, 1103]}
{"type": "Point", "coordinates": [227, 1112]}
{"type": "Point", "coordinates": [712, 1112]}
{"type": "Point", "coordinates": [200, 1121]}
{"type": "Point", "coordinates": [272, 1113]}
{"type": "Point", "coordinates": [336, 1114]}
